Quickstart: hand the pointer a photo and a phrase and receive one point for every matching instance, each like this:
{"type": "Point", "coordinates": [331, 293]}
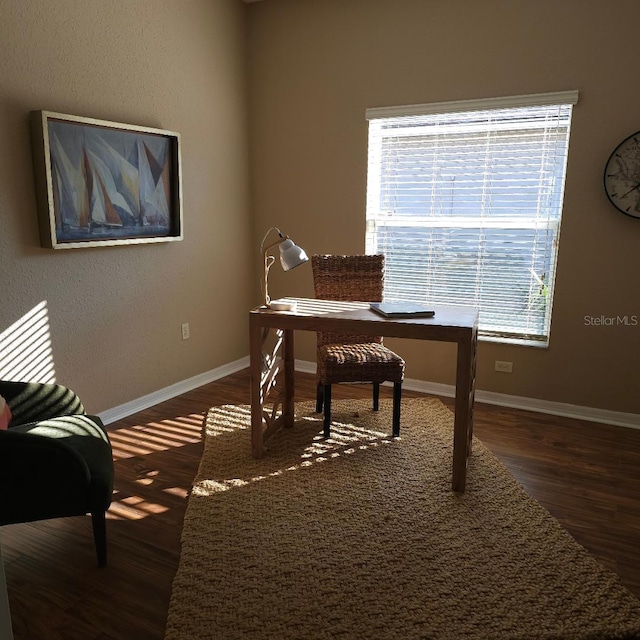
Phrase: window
{"type": "Point", "coordinates": [465, 201]}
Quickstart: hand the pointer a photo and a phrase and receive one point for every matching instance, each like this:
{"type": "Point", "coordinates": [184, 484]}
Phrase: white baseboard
{"type": "Point", "coordinates": [129, 408]}
{"type": "Point", "coordinates": [590, 414]}
{"type": "Point", "coordinates": [562, 409]}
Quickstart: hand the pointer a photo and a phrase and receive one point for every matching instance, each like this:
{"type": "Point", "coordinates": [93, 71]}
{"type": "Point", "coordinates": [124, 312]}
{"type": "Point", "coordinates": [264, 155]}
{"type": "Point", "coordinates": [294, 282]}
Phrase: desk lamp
{"type": "Point", "coordinates": [291, 256]}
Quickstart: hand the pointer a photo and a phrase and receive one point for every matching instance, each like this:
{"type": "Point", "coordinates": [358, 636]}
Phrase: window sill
{"type": "Point", "coordinates": [518, 342]}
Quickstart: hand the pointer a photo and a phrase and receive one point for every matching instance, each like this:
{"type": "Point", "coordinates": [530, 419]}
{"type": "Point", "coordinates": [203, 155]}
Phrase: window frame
{"type": "Point", "coordinates": [550, 223]}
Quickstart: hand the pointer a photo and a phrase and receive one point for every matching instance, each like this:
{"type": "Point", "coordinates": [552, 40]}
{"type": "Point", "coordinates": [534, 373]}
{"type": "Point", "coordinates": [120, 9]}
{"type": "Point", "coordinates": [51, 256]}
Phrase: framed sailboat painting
{"type": "Point", "coordinates": [103, 183]}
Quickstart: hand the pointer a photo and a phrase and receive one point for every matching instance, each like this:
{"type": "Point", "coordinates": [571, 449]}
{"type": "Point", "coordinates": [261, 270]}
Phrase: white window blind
{"type": "Point", "coordinates": [465, 200]}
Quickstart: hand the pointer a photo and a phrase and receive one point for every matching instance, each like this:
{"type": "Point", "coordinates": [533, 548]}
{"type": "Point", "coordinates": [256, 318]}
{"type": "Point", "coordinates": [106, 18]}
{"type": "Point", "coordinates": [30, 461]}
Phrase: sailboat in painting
{"type": "Point", "coordinates": [154, 208]}
{"type": "Point", "coordinates": [71, 196]}
{"type": "Point", "coordinates": [109, 183]}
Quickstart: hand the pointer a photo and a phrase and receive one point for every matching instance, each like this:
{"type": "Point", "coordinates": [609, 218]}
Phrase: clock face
{"type": "Point", "coordinates": [622, 176]}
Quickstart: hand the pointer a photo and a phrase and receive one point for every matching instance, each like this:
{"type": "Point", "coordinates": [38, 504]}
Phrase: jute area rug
{"type": "Point", "coordinates": [361, 537]}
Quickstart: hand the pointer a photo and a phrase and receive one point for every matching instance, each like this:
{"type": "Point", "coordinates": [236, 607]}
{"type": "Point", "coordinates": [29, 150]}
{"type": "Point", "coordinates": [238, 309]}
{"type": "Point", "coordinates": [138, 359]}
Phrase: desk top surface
{"type": "Point", "coordinates": [333, 311]}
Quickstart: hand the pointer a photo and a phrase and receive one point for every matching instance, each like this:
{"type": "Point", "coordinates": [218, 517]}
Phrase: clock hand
{"type": "Point", "coordinates": [630, 190]}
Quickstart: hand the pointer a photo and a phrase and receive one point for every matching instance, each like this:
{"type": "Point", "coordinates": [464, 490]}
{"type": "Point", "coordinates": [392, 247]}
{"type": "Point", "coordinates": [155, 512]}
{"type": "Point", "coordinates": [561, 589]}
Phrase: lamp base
{"type": "Point", "coordinates": [283, 305]}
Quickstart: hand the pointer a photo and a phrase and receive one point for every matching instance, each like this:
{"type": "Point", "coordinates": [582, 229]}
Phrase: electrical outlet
{"type": "Point", "coordinates": [505, 367]}
{"type": "Point", "coordinates": [185, 331]}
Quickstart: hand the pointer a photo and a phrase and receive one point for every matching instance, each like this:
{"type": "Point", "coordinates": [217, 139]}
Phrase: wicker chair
{"type": "Point", "coordinates": [353, 358]}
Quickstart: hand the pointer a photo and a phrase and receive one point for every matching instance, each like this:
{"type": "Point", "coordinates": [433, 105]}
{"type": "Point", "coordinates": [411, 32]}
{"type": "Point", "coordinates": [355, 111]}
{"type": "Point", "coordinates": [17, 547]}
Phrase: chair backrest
{"type": "Point", "coordinates": [358, 277]}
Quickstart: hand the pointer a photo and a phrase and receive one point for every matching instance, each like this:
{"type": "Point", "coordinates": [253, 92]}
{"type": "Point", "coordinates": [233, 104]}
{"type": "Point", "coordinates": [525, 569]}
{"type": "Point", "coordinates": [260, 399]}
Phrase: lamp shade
{"type": "Point", "coordinates": [291, 255]}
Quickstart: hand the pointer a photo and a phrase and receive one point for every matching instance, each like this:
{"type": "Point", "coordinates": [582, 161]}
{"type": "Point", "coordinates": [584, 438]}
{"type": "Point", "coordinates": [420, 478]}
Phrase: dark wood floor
{"type": "Point", "coordinates": [585, 474]}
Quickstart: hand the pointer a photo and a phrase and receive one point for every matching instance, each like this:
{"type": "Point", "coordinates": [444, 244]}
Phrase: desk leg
{"type": "Point", "coordinates": [255, 369]}
{"type": "Point", "coordinates": [463, 423]}
{"type": "Point", "coordinates": [288, 403]}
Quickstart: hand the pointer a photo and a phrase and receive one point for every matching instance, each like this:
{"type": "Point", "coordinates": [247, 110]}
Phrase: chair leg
{"type": "Point", "coordinates": [397, 396]}
{"type": "Point", "coordinates": [319, 397]}
{"type": "Point", "coordinates": [327, 410]}
{"type": "Point", "coordinates": [98, 520]}
{"type": "Point", "coordinates": [376, 396]}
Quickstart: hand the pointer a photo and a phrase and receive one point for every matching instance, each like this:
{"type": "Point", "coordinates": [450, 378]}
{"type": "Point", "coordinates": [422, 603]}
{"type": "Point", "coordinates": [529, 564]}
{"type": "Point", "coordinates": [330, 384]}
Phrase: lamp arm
{"type": "Point", "coordinates": [266, 235]}
{"type": "Point", "coordinates": [280, 240]}
{"type": "Point", "coordinates": [269, 260]}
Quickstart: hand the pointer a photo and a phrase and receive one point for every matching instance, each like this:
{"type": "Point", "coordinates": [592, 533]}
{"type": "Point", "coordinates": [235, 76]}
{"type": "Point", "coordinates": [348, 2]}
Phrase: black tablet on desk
{"type": "Point", "coordinates": [402, 310]}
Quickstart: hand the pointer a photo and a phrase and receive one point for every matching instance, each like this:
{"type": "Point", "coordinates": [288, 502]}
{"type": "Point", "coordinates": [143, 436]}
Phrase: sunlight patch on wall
{"type": "Point", "coordinates": [25, 348]}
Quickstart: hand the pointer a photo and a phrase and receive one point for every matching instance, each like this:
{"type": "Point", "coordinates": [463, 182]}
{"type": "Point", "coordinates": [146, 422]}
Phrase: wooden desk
{"type": "Point", "coordinates": [450, 324]}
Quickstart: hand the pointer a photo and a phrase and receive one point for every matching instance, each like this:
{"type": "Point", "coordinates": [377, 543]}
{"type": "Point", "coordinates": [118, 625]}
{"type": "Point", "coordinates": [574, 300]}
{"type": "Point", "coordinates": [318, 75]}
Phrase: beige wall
{"type": "Point", "coordinates": [316, 65]}
{"type": "Point", "coordinates": [115, 313]}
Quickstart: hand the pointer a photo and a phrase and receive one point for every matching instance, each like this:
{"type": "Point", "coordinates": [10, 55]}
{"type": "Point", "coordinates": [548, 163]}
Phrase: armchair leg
{"type": "Point", "coordinates": [327, 410]}
{"type": "Point", "coordinates": [99, 522]}
{"type": "Point", "coordinates": [397, 396]}
{"type": "Point", "coordinates": [376, 396]}
{"type": "Point", "coordinates": [319, 397]}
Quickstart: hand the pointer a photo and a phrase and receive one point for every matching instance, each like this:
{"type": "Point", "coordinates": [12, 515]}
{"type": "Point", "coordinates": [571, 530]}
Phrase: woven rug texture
{"type": "Point", "coordinates": [361, 537]}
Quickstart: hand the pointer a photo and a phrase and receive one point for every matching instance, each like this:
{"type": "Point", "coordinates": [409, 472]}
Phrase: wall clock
{"type": "Point", "coordinates": [622, 176]}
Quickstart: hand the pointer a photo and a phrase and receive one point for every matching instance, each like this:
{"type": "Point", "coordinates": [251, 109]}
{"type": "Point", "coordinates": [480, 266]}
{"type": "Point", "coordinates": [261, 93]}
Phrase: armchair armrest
{"type": "Point", "coordinates": [34, 401]}
{"type": "Point", "coordinates": [44, 455]}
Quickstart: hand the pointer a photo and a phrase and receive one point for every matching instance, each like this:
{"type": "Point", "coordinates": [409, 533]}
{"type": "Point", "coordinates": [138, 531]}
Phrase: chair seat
{"type": "Point", "coordinates": [357, 362]}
